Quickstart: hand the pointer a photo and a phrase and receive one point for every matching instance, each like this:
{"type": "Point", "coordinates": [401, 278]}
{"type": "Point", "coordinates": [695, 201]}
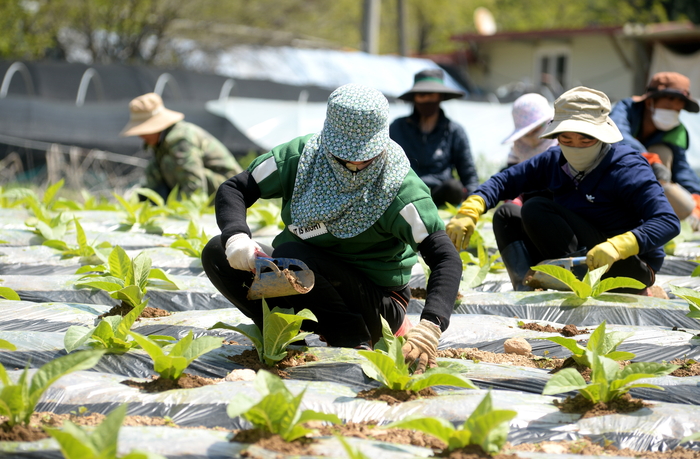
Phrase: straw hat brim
{"type": "Point", "coordinates": [429, 87]}
{"type": "Point", "coordinates": [518, 133]}
{"type": "Point", "coordinates": [605, 132]}
{"type": "Point", "coordinates": [157, 123]}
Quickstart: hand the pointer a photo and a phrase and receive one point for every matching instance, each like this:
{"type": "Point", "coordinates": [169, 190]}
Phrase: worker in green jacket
{"type": "Point", "coordinates": [357, 215]}
{"type": "Point", "coordinates": [184, 154]}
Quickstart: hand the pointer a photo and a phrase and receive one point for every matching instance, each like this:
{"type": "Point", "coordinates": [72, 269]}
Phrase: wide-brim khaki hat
{"type": "Point", "coordinates": [583, 110]}
{"type": "Point", "coordinates": [149, 116]}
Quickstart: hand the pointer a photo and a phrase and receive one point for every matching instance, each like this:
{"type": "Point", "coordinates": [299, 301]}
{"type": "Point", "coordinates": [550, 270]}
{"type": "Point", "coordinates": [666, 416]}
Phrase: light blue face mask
{"type": "Point", "coordinates": [581, 158]}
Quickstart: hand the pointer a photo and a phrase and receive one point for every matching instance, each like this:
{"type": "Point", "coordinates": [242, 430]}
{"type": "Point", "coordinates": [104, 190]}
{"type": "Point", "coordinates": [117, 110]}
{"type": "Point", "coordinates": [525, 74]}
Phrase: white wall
{"type": "Point", "coordinates": [594, 62]}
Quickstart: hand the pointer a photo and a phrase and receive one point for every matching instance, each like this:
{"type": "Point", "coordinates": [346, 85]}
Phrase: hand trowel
{"type": "Point", "coordinates": [280, 277]}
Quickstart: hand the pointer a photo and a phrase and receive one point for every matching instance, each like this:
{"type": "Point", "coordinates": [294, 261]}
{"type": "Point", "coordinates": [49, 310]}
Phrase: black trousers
{"type": "Point", "coordinates": [550, 230]}
{"type": "Point", "coordinates": [451, 191]}
{"type": "Point", "coordinates": [347, 304]}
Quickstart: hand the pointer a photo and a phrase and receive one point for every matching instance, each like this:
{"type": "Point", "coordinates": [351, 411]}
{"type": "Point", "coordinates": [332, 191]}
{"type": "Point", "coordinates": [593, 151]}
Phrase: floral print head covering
{"type": "Point", "coordinates": [357, 123]}
{"type": "Point", "coordinates": [325, 191]}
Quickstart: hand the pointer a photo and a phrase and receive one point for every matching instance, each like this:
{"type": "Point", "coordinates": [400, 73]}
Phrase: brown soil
{"type": "Point", "coordinates": [689, 367]}
{"type": "Point", "coordinates": [273, 442]}
{"type": "Point", "coordinates": [393, 396]}
{"type": "Point", "coordinates": [473, 452]}
{"type": "Point", "coordinates": [419, 293]}
{"type": "Point", "coordinates": [295, 282]}
{"type": "Point", "coordinates": [249, 359]}
{"type": "Point", "coordinates": [158, 384]}
{"type": "Point", "coordinates": [580, 405]}
{"type": "Point", "coordinates": [471, 353]}
{"type": "Point", "coordinates": [21, 433]}
{"type": "Point", "coordinates": [123, 309]}
{"type": "Point", "coordinates": [585, 447]}
{"type": "Point", "coordinates": [368, 431]}
{"type": "Point", "coordinates": [34, 431]}
{"type": "Point", "coordinates": [568, 330]}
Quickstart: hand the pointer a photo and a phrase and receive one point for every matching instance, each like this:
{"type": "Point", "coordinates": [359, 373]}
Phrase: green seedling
{"type": "Point", "coordinates": [691, 437]}
{"type": "Point", "coordinates": [476, 269]}
{"type": "Point", "coordinates": [278, 411]}
{"type": "Point", "coordinates": [353, 453]}
{"type": "Point", "coordinates": [143, 214]}
{"type": "Point", "coordinates": [125, 279]}
{"type": "Point", "coordinates": [111, 334]}
{"type": "Point", "coordinates": [692, 297]}
{"type": "Point", "coordinates": [591, 285]}
{"type": "Point", "coordinates": [265, 213]}
{"type": "Point", "coordinates": [280, 329]}
{"type": "Point", "coordinates": [192, 242]}
{"type": "Point", "coordinates": [89, 203]}
{"type": "Point", "coordinates": [601, 343]}
{"type": "Point", "coordinates": [485, 427]}
{"type": "Point", "coordinates": [4, 344]}
{"type": "Point", "coordinates": [18, 400]}
{"type": "Point", "coordinates": [88, 253]}
{"type": "Point", "coordinates": [13, 197]}
{"type": "Point", "coordinates": [81, 411]}
{"type": "Point", "coordinates": [608, 381]}
{"type": "Point", "coordinates": [190, 207]}
{"type": "Point", "coordinates": [100, 443]}
{"type": "Point", "coordinates": [386, 364]}
{"type": "Point", "coordinates": [9, 294]}
{"type": "Point", "coordinates": [179, 355]}
{"type": "Point", "coordinates": [44, 223]}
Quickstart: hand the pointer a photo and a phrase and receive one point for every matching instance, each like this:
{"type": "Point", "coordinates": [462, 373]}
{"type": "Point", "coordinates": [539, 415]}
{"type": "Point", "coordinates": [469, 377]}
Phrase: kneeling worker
{"type": "Point", "coordinates": [185, 155]}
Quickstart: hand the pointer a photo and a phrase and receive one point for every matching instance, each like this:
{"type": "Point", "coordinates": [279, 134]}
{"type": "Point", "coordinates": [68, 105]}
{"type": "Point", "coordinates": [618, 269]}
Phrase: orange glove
{"type": "Point", "coordinates": [696, 211]}
{"type": "Point", "coordinates": [653, 158]}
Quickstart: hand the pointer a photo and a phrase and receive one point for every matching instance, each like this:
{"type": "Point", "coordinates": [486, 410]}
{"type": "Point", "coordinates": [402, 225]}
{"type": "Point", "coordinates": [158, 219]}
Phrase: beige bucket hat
{"type": "Point", "coordinates": [149, 115]}
{"type": "Point", "coordinates": [583, 110]}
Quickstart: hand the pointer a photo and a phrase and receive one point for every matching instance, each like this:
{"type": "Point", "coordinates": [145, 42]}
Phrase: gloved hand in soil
{"type": "Point", "coordinates": [240, 252]}
{"type": "Point", "coordinates": [421, 345]}
{"type": "Point", "coordinates": [616, 248]}
{"type": "Point", "coordinates": [462, 225]}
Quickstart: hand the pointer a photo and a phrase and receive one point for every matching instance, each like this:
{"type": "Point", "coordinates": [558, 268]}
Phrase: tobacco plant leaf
{"type": "Point", "coordinates": [692, 297]}
{"type": "Point", "coordinates": [565, 380]}
{"type": "Point", "coordinates": [120, 265]}
{"type": "Point", "coordinates": [616, 282]}
{"type": "Point", "coordinates": [9, 294]}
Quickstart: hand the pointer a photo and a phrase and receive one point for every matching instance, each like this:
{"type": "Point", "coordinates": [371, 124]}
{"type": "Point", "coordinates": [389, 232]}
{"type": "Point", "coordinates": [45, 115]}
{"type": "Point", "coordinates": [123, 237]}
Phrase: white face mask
{"type": "Point", "coordinates": [665, 119]}
{"type": "Point", "coordinates": [581, 158]}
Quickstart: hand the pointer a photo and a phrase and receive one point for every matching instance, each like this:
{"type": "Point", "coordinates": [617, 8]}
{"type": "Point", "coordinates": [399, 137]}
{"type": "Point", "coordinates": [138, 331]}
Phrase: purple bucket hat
{"type": "Point", "coordinates": [529, 111]}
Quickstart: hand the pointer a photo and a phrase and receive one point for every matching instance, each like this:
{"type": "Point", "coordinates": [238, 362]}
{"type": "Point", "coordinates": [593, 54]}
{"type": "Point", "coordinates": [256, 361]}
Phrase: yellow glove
{"type": "Point", "coordinates": [616, 248]}
{"type": "Point", "coordinates": [461, 227]}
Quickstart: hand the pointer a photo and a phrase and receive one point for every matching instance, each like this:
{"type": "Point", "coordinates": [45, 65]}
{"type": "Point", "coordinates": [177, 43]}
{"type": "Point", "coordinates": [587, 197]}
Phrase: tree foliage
{"type": "Point", "coordinates": [138, 30]}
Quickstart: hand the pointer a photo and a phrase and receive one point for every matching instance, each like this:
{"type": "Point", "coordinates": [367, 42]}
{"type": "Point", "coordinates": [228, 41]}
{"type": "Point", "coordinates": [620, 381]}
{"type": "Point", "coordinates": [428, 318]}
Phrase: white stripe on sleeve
{"type": "Point", "coordinates": [264, 169]}
{"type": "Point", "coordinates": [418, 229]}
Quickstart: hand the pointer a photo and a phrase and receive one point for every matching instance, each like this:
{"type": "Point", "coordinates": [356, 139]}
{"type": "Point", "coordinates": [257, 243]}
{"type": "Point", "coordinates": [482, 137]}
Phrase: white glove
{"type": "Point", "coordinates": [240, 252]}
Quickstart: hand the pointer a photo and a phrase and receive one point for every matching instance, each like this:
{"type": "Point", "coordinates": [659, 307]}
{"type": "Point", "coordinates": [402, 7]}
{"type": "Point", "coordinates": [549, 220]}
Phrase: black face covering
{"type": "Point", "coordinates": [427, 109]}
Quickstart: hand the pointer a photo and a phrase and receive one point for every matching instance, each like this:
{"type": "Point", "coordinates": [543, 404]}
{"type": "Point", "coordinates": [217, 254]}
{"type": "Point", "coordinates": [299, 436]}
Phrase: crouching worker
{"type": "Point", "coordinates": [606, 200]}
{"type": "Point", "coordinates": [356, 214]}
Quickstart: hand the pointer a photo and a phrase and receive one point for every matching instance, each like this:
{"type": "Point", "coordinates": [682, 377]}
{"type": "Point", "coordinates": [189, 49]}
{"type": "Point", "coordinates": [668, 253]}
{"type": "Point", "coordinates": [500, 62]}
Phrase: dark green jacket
{"type": "Point", "coordinates": [190, 157]}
